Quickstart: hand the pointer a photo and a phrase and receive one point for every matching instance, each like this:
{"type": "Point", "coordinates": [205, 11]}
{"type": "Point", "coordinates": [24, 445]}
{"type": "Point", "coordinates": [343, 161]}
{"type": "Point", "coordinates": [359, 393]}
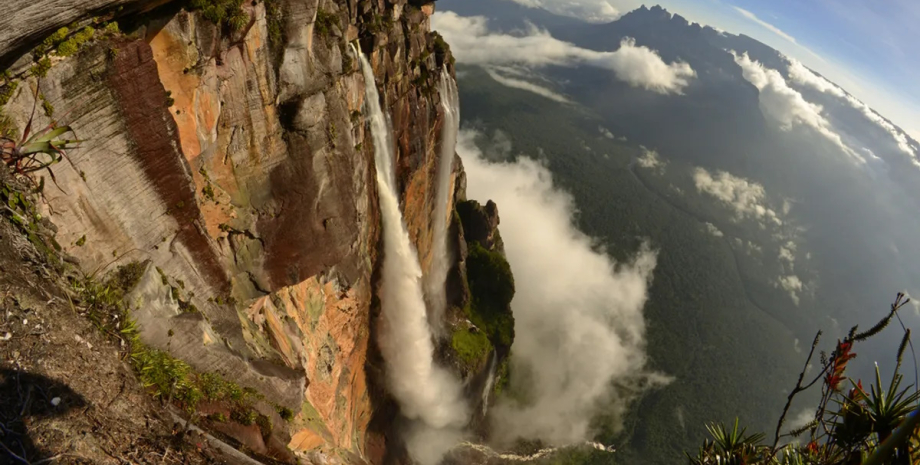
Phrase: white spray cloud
{"type": "Point", "coordinates": [521, 84]}
{"type": "Point", "coordinates": [427, 393]}
{"type": "Point", "coordinates": [746, 198]}
{"type": "Point", "coordinates": [579, 327]}
{"type": "Point", "coordinates": [473, 43]}
{"type": "Point", "coordinates": [786, 105]}
{"type": "Point", "coordinates": [593, 11]}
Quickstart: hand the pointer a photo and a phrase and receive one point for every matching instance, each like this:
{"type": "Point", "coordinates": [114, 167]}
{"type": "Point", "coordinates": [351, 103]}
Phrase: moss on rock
{"type": "Point", "coordinates": [492, 288]}
{"type": "Point", "coordinates": [470, 345]}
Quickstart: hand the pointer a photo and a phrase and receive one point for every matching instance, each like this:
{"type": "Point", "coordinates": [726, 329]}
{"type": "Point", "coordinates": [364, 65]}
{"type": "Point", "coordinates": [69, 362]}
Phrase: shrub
{"type": "Point", "coordinates": [222, 12]}
{"type": "Point", "coordinates": [167, 377]}
{"type": "Point", "coordinates": [325, 21]}
{"type": "Point", "coordinates": [285, 413]}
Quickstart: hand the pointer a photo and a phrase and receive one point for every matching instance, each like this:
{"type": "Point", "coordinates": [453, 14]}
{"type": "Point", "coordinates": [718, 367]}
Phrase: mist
{"type": "Point", "coordinates": [579, 327]}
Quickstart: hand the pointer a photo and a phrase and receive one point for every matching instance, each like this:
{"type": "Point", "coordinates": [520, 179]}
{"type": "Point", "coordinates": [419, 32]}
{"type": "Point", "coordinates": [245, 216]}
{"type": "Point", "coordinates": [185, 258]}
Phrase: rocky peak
{"type": "Point", "coordinates": [480, 223]}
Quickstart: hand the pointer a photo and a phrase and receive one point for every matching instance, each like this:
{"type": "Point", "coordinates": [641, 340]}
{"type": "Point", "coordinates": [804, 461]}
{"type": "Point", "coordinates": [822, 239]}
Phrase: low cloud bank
{"type": "Point", "coordinates": [786, 105]}
{"type": "Point", "coordinates": [580, 331]}
{"type": "Point", "coordinates": [517, 83]}
{"type": "Point", "coordinates": [473, 43]}
{"type": "Point", "coordinates": [800, 74]}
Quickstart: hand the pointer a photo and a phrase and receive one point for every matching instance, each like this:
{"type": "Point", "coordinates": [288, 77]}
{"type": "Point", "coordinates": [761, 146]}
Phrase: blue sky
{"type": "Point", "coordinates": [870, 48]}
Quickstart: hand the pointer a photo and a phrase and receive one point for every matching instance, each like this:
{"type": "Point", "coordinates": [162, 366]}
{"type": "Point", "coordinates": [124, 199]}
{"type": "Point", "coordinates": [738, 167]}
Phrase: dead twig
{"type": "Point", "coordinates": [13, 454]}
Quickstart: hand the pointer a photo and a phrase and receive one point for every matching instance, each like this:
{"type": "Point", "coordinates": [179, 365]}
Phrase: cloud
{"type": "Point", "coordinates": [913, 302]}
{"type": "Point", "coordinates": [712, 229]}
{"type": "Point", "coordinates": [786, 105]}
{"type": "Point", "coordinates": [800, 74]}
{"type": "Point", "coordinates": [606, 132]}
{"type": "Point", "coordinates": [746, 198]}
{"type": "Point", "coordinates": [473, 43]}
{"type": "Point", "coordinates": [793, 285]}
{"type": "Point", "coordinates": [650, 159]}
{"type": "Point", "coordinates": [521, 84]}
{"type": "Point", "coordinates": [751, 16]}
{"type": "Point", "coordinates": [593, 11]}
{"type": "Point", "coordinates": [591, 353]}
{"type": "Point", "coordinates": [787, 252]}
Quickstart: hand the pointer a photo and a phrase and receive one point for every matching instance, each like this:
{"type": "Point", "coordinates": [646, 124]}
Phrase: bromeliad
{"type": "Point", "coordinates": [36, 151]}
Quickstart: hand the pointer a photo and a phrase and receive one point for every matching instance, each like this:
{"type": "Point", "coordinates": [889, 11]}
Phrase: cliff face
{"type": "Point", "coordinates": [233, 161]}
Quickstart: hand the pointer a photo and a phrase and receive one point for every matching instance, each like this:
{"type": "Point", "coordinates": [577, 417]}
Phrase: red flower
{"type": "Point", "coordinates": [841, 356]}
{"type": "Point", "coordinates": [857, 393]}
{"type": "Point", "coordinates": [812, 447]}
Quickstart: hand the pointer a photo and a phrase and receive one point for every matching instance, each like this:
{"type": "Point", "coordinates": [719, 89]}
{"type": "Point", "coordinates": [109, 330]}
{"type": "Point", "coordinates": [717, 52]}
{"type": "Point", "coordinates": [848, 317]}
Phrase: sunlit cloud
{"type": "Point", "coordinates": [473, 43]}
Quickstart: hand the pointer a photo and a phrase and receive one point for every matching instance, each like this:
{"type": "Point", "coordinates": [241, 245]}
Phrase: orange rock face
{"type": "Point", "coordinates": [241, 168]}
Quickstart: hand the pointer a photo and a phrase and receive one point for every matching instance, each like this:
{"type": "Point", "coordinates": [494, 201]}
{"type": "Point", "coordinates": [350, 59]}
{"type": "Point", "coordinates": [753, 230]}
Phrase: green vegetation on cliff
{"type": "Point", "coordinates": [492, 288]}
{"type": "Point", "coordinates": [470, 345]}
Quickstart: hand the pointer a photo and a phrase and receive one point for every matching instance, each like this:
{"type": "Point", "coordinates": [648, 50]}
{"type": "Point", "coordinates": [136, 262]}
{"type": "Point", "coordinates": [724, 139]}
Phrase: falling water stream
{"type": "Point", "coordinates": [441, 260]}
{"type": "Point", "coordinates": [426, 393]}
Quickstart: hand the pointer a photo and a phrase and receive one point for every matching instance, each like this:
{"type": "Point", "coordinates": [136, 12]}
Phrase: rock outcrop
{"type": "Point", "coordinates": [232, 157]}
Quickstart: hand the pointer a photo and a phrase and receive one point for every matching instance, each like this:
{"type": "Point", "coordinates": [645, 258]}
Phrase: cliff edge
{"type": "Point", "coordinates": [224, 161]}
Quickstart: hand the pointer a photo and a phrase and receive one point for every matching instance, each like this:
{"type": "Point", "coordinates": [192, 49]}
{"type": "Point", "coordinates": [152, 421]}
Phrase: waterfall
{"type": "Point", "coordinates": [441, 259]}
{"type": "Point", "coordinates": [426, 393]}
{"type": "Point", "coordinates": [490, 381]}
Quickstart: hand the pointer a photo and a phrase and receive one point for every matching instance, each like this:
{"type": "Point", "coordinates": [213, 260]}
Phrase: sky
{"type": "Point", "coordinates": [867, 47]}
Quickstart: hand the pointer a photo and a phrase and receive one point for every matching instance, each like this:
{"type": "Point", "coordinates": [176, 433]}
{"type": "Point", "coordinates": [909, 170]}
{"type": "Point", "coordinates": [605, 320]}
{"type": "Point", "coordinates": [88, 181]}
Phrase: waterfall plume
{"type": "Point", "coordinates": [441, 259]}
{"type": "Point", "coordinates": [427, 394]}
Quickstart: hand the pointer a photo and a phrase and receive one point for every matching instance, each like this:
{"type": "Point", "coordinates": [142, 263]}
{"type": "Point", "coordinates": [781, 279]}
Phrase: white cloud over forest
{"type": "Point", "coordinates": [793, 285]}
{"type": "Point", "coordinates": [712, 229]}
{"type": "Point", "coordinates": [579, 324]}
{"type": "Point", "coordinates": [800, 74]}
{"type": "Point", "coordinates": [747, 199]}
{"type": "Point", "coordinates": [786, 105]}
{"type": "Point", "coordinates": [473, 43]}
{"type": "Point", "coordinates": [517, 83]}
{"type": "Point", "coordinates": [650, 159]}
